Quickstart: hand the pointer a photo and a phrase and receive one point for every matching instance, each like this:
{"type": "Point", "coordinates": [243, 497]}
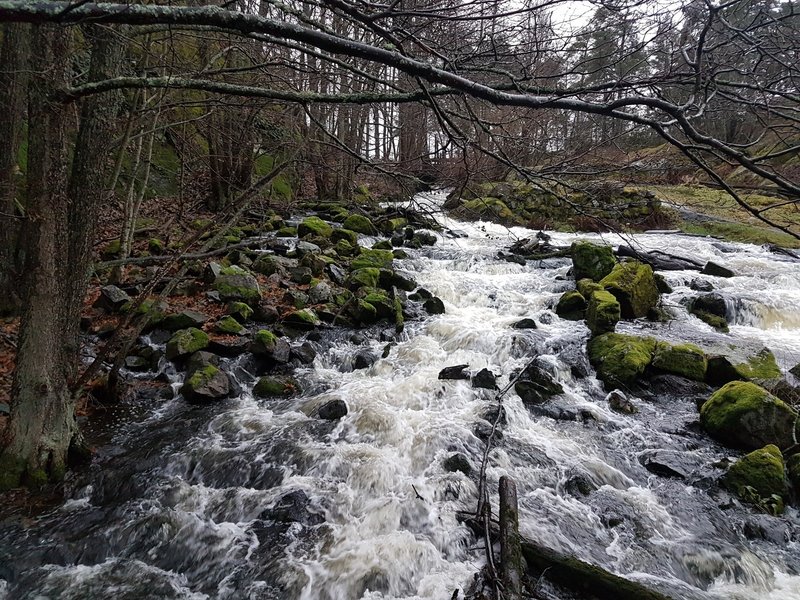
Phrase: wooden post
{"type": "Point", "coordinates": [511, 567]}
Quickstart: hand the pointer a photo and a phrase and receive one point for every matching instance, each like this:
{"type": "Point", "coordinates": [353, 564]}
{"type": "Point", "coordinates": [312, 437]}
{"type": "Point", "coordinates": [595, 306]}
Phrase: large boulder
{"type": "Point", "coordinates": [235, 283]}
{"type": "Point", "coordinates": [620, 359]}
{"type": "Point", "coordinates": [377, 259]}
{"type": "Point", "coordinates": [268, 345]}
{"type": "Point", "coordinates": [633, 285]}
{"type": "Point", "coordinates": [204, 381]}
{"type": "Point", "coordinates": [112, 298]}
{"type": "Point", "coordinates": [603, 312]}
{"type": "Point", "coordinates": [760, 367]}
{"type": "Point", "coordinates": [591, 260]}
{"type": "Point", "coordinates": [314, 226]}
{"type": "Point", "coordinates": [359, 224]}
{"type": "Point", "coordinates": [186, 342]}
{"type": "Point", "coordinates": [183, 320]}
{"type": "Point", "coordinates": [744, 415]}
{"type": "Point", "coordinates": [759, 477]}
{"type": "Point", "coordinates": [686, 360]}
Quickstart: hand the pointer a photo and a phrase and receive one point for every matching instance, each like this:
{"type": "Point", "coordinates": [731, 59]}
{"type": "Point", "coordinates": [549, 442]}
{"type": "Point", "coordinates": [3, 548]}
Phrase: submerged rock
{"type": "Point", "coordinates": [454, 372]}
{"type": "Point", "coordinates": [535, 385]}
{"type": "Point", "coordinates": [524, 324]}
{"type": "Point", "coordinates": [457, 463]}
{"type": "Point", "coordinates": [744, 415]}
{"type": "Point", "coordinates": [333, 410]}
{"type": "Point", "coordinates": [273, 386]}
{"type": "Point", "coordinates": [633, 285]}
{"type": "Point", "coordinates": [591, 260]}
{"type": "Point", "coordinates": [434, 306]}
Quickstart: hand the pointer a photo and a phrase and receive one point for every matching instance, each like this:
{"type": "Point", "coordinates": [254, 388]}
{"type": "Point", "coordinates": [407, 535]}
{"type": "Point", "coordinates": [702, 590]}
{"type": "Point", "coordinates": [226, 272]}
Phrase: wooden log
{"type": "Point", "coordinates": [511, 565]}
{"type": "Point", "coordinates": [660, 261]}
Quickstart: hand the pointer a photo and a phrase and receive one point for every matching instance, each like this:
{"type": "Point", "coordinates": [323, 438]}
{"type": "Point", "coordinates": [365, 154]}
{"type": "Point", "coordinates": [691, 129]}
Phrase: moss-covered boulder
{"type": "Point", "coordinates": [304, 320]}
{"type": "Point", "coordinates": [602, 312]}
{"type": "Point", "coordinates": [186, 342]}
{"type": "Point", "coordinates": [487, 208]}
{"type": "Point", "coordinates": [206, 384]}
{"type": "Point", "coordinates": [634, 286]}
{"type": "Point", "coordinates": [760, 478]}
{"type": "Point", "coordinates": [759, 367]}
{"type": "Point", "coordinates": [235, 283]}
{"type": "Point", "coordinates": [686, 360]}
{"type": "Point", "coordinates": [267, 387]}
{"type": "Point", "coordinates": [229, 326]}
{"type": "Point", "coordinates": [267, 345]}
{"type": "Point", "coordinates": [591, 261]}
{"type": "Point", "coordinates": [240, 310]}
{"type": "Point", "coordinates": [363, 312]}
{"type": "Point", "coordinates": [571, 306]}
{"type": "Point", "coordinates": [369, 277]}
{"type": "Point", "coordinates": [586, 286]}
{"type": "Point", "coordinates": [715, 321]}
{"type": "Point", "coordinates": [384, 307]}
{"type": "Point", "coordinates": [286, 232]}
{"type": "Point", "coordinates": [368, 258]}
{"type": "Point", "coordinates": [620, 359]}
{"type": "Point", "coordinates": [743, 415]}
{"type": "Point", "coordinates": [183, 320]}
{"type": "Point", "coordinates": [359, 224]}
{"type": "Point", "coordinates": [314, 226]}
{"type": "Point", "coordinates": [347, 235]}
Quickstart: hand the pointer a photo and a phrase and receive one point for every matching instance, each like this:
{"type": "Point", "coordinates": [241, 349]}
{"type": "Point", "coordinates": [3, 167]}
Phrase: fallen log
{"type": "Point", "coordinates": [511, 565]}
{"type": "Point", "coordinates": [660, 261]}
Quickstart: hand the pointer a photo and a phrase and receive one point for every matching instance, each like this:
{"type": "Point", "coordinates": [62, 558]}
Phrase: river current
{"type": "Point", "coordinates": [259, 499]}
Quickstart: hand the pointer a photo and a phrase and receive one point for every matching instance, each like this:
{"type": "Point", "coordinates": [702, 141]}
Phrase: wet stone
{"type": "Point", "coordinates": [330, 411]}
{"type": "Point", "coordinates": [716, 270]}
{"type": "Point", "coordinates": [363, 359]}
{"type": "Point", "coordinates": [525, 324]}
{"type": "Point", "coordinates": [619, 402]}
{"type": "Point", "coordinates": [667, 463]}
{"type": "Point", "coordinates": [457, 463]}
{"type": "Point", "coordinates": [294, 507]}
{"type": "Point", "coordinates": [484, 379]}
{"type": "Point", "coordinates": [454, 372]}
{"type": "Point", "coordinates": [434, 306]}
{"type": "Point", "coordinates": [305, 353]}
{"type": "Point", "coordinates": [701, 285]}
{"type": "Point", "coordinates": [112, 298]}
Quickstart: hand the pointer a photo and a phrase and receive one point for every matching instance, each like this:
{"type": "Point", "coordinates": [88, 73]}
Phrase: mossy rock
{"type": "Point", "coordinates": [235, 283]}
{"type": "Point", "coordinates": [759, 478]}
{"type": "Point", "coordinates": [111, 250]}
{"type": "Point", "coordinates": [634, 286]}
{"type": "Point", "coordinates": [267, 387]}
{"type": "Point", "coordinates": [488, 208]}
{"type": "Point", "coordinates": [286, 232]}
{"type": "Point", "coordinates": [229, 325]}
{"type": "Point", "coordinates": [206, 384]}
{"type": "Point", "coordinates": [186, 342]}
{"type": "Point", "coordinates": [620, 359]}
{"type": "Point", "coordinates": [363, 312]}
{"type": "Point", "coordinates": [199, 224]}
{"type": "Point", "coordinates": [367, 258]}
{"type": "Point", "coordinates": [744, 415]}
{"type": "Point", "coordinates": [715, 321]}
{"type": "Point", "coordinates": [314, 226]}
{"type": "Point", "coordinates": [155, 246]}
{"type": "Point", "coordinates": [347, 235]}
{"type": "Point", "coordinates": [389, 226]}
{"type": "Point", "coordinates": [571, 306]}
{"type": "Point", "coordinates": [591, 261]}
{"type": "Point", "coordinates": [586, 286]}
{"type": "Point", "coordinates": [686, 360]}
{"type": "Point", "coordinates": [305, 319]}
{"type": "Point", "coordinates": [602, 312]}
{"type": "Point", "coordinates": [384, 307]}
{"type": "Point", "coordinates": [382, 245]}
{"type": "Point", "coordinates": [359, 224]}
{"type": "Point", "coordinates": [760, 367]}
{"type": "Point", "coordinates": [369, 277]}
{"type": "Point", "coordinates": [241, 310]}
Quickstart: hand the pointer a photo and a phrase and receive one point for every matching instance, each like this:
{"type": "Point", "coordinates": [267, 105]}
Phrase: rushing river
{"type": "Point", "coordinates": [257, 499]}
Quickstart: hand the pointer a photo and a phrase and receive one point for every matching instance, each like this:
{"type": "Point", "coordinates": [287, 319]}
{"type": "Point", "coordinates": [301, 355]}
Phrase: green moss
{"type": "Point", "coordinates": [359, 224]}
{"type": "Point", "coordinates": [586, 286]}
{"type": "Point", "coordinates": [111, 250]}
{"type": "Point", "coordinates": [155, 246]}
{"type": "Point", "coordinates": [236, 283]}
{"type": "Point", "coordinates": [571, 305]}
{"type": "Point", "coordinates": [344, 248]}
{"type": "Point", "coordinates": [379, 259]}
{"type": "Point", "coordinates": [384, 307]}
{"type": "Point", "coordinates": [314, 226]}
{"type": "Point", "coordinates": [287, 232]}
{"type": "Point", "coordinates": [264, 342]}
{"type": "Point", "coordinates": [633, 284]}
{"type": "Point", "coordinates": [760, 367]}
{"type": "Point", "coordinates": [302, 317]}
{"type": "Point", "coordinates": [199, 224]}
{"type": "Point", "coordinates": [389, 226]}
{"type": "Point", "coordinates": [741, 232]}
{"type": "Point", "coordinates": [229, 325]}
{"type": "Point", "coordinates": [686, 360]}
{"type": "Point", "coordinates": [490, 209]}
{"type": "Point", "coordinates": [602, 313]}
{"type": "Point", "coordinates": [36, 479]}
{"type": "Point", "coordinates": [364, 312]}
{"type": "Point", "coordinates": [201, 377]}
{"type": "Point", "coordinates": [242, 310]}
{"type": "Point", "coordinates": [717, 322]}
{"type": "Point", "coordinates": [620, 359]}
{"type": "Point", "coordinates": [368, 277]}
{"type": "Point", "coordinates": [271, 386]}
{"type": "Point", "coordinates": [11, 472]}
{"type": "Point", "coordinates": [347, 235]}
{"type": "Point", "coordinates": [399, 319]}
{"type": "Point", "coordinates": [745, 415]}
{"type": "Point", "coordinates": [185, 342]}
{"type": "Point", "coordinates": [759, 476]}
{"type": "Point", "coordinates": [591, 260]}
{"type": "Point", "coordinates": [382, 245]}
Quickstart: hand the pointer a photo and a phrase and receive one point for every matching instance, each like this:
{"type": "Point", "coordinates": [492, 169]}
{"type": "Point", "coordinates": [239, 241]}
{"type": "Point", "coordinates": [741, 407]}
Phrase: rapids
{"type": "Point", "coordinates": [256, 499]}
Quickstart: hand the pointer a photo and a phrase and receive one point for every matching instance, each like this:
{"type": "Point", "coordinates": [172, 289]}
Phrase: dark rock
{"type": "Point", "coordinates": [720, 371]}
{"type": "Point", "coordinates": [425, 238]}
{"type": "Point", "coordinates": [454, 372]}
{"type": "Point", "coordinates": [229, 347]}
{"type": "Point", "coordinates": [661, 284]}
{"type": "Point", "coordinates": [338, 274]}
{"type": "Point", "coordinates": [112, 298]}
{"type": "Point", "coordinates": [269, 346]}
{"type": "Point", "coordinates": [358, 339]}
{"type": "Point", "coordinates": [701, 285]}
{"type": "Point", "coordinates": [330, 411]}
{"type": "Point", "coordinates": [525, 324]}
{"type": "Point", "coordinates": [265, 312]}
{"type": "Point", "coordinates": [667, 463]}
{"type": "Point", "coordinates": [205, 382]}
{"type": "Point", "coordinates": [433, 306]}
{"type": "Point", "coordinates": [301, 275]}
{"type": "Point", "coordinates": [795, 370]}
{"type": "Point", "coordinates": [512, 258]}
{"type": "Point", "coordinates": [363, 359]}
{"type": "Point", "coordinates": [619, 402]}
{"type": "Point", "coordinates": [136, 363]}
{"type": "Point", "coordinates": [716, 270]}
{"type": "Point", "coordinates": [495, 412]}
{"type": "Point", "coordinates": [211, 272]}
{"type": "Point", "coordinates": [768, 528]}
{"type": "Point", "coordinates": [710, 303]}
{"type": "Point", "coordinates": [183, 320]}
{"type": "Point", "coordinates": [483, 431]}
{"type": "Point", "coordinates": [484, 379]}
{"type": "Point", "coordinates": [535, 385]}
{"type": "Point", "coordinates": [420, 295]}
{"type": "Point", "coordinates": [305, 353]}
{"type": "Point", "coordinates": [457, 463]}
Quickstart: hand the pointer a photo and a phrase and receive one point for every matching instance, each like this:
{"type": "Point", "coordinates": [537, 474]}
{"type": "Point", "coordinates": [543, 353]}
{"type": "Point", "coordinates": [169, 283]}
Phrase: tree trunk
{"type": "Point", "coordinates": [13, 87]}
{"type": "Point", "coordinates": [58, 234]}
